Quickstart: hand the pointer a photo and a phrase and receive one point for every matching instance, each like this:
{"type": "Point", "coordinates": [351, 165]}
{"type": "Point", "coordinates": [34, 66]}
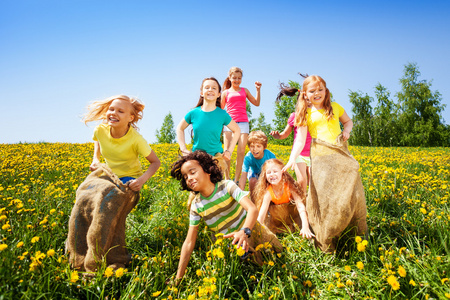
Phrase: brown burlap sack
{"type": "Point", "coordinates": [336, 198]}
{"type": "Point", "coordinates": [283, 217]}
{"type": "Point", "coordinates": [97, 221]}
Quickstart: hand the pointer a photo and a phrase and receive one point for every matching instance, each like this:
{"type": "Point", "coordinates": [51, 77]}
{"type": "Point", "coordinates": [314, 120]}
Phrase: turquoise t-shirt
{"type": "Point", "coordinates": [255, 165]}
{"type": "Point", "coordinates": [207, 128]}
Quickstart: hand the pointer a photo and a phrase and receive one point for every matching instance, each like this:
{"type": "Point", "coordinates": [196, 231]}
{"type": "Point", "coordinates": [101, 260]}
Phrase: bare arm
{"type": "Point", "coordinates": [186, 250]}
{"type": "Point", "coordinates": [243, 180]}
{"type": "Point", "coordinates": [96, 157]}
{"type": "Point", "coordinates": [255, 101]}
{"type": "Point", "coordinates": [264, 208]}
{"type": "Point", "coordinates": [284, 134]}
{"type": "Point", "coordinates": [299, 144]}
{"type": "Point", "coordinates": [223, 99]}
{"type": "Point", "coordinates": [239, 237]}
{"type": "Point", "coordinates": [305, 231]}
{"type": "Point", "coordinates": [137, 184]}
{"type": "Point", "coordinates": [234, 127]}
{"type": "Point", "coordinates": [180, 136]}
{"type": "Point", "coordinates": [348, 125]}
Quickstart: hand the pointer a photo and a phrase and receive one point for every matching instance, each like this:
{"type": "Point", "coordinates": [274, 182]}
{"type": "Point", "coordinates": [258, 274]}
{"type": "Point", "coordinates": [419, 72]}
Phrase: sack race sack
{"type": "Point", "coordinates": [283, 218]}
{"type": "Point", "coordinates": [336, 198]}
{"type": "Point", "coordinates": [260, 236]}
{"type": "Point", "coordinates": [97, 221]}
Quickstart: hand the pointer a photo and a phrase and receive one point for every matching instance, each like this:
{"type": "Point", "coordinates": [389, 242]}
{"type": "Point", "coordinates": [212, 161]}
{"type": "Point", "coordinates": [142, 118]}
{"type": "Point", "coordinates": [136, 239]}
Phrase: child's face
{"type": "Point", "coordinates": [236, 79]}
{"type": "Point", "coordinates": [194, 175]}
{"type": "Point", "coordinates": [315, 93]}
{"type": "Point", "coordinates": [210, 90]}
{"type": "Point", "coordinates": [257, 150]}
{"type": "Point", "coordinates": [119, 113]}
{"type": "Point", "coordinates": [273, 174]}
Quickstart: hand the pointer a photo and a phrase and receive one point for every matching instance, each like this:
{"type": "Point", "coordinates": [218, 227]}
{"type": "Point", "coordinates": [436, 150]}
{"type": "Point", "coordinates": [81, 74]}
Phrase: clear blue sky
{"type": "Point", "coordinates": [58, 55]}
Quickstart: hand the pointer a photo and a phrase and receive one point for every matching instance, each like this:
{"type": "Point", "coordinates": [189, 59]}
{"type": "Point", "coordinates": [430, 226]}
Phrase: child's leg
{"type": "Point", "coordinates": [240, 154]}
{"type": "Point", "coordinates": [227, 137]}
{"type": "Point", "coordinates": [302, 177]}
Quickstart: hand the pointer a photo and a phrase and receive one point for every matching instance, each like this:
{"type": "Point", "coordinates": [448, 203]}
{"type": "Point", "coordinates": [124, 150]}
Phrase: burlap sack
{"type": "Point", "coordinates": [97, 221]}
{"type": "Point", "coordinates": [261, 235]}
{"type": "Point", "coordinates": [336, 198]}
{"type": "Point", "coordinates": [283, 217]}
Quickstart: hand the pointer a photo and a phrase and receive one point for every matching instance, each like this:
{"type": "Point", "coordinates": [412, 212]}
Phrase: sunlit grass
{"type": "Point", "coordinates": [406, 254]}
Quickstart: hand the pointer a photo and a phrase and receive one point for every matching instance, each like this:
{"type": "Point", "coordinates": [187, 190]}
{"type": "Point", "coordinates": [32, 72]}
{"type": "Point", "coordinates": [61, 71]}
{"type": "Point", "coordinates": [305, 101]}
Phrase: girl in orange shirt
{"type": "Point", "coordinates": [278, 194]}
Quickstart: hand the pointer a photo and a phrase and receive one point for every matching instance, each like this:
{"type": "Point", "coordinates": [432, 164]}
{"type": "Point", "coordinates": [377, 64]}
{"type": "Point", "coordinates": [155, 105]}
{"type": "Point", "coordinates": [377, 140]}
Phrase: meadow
{"type": "Point", "coordinates": [405, 256]}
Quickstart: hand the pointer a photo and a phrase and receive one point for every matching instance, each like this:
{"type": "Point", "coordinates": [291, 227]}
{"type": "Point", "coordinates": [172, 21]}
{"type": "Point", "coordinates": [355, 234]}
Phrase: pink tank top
{"type": "Point", "coordinates": [236, 105]}
{"type": "Point", "coordinates": [306, 149]}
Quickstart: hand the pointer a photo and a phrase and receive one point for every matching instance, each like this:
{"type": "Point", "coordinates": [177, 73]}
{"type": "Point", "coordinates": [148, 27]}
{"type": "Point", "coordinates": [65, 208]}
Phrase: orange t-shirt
{"type": "Point", "coordinates": [285, 197]}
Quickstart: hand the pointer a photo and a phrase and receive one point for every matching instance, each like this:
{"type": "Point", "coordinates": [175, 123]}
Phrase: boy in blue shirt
{"type": "Point", "coordinates": [254, 159]}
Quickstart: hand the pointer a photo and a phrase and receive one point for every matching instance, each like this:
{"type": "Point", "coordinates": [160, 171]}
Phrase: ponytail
{"type": "Point", "coordinates": [300, 107]}
{"type": "Point", "coordinates": [227, 84]}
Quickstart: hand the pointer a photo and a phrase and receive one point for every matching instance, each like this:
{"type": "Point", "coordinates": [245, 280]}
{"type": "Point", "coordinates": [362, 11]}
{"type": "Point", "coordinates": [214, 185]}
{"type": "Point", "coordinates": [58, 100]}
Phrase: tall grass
{"type": "Point", "coordinates": [405, 256]}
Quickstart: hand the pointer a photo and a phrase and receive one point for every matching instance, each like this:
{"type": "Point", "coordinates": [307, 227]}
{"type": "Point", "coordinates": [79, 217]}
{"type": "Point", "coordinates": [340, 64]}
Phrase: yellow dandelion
{"type": "Point", "coordinates": [360, 265]}
{"type": "Point", "coordinates": [6, 226]}
{"type": "Point", "coordinates": [108, 272]}
{"type": "Point", "coordinates": [271, 263]}
{"type": "Point", "coordinates": [51, 253]}
{"type": "Point", "coordinates": [199, 272]}
{"type": "Point", "coordinates": [423, 210]}
{"type": "Point", "coordinates": [347, 268]}
{"type": "Point", "coordinates": [19, 244]}
{"type": "Point", "coordinates": [35, 239]}
{"type": "Point", "coordinates": [361, 247]}
{"type": "Point", "coordinates": [349, 282]}
{"type": "Point", "coordinates": [156, 294]}
{"type": "Point", "coordinates": [120, 272]}
{"type": "Point", "coordinates": [74, 276]}
{"type": "Point", "coordinates": [444, 280]}
{"type": "Point", "coordinates": [358, 239]}
{"type": "Point", "coordinates": [401, 271]}
{"type": "Point", "coordinates": [392, 280]}
{"type": "Point", "coordinates": [307, 283]}
{"type": "Point", "coordinates": [3, 247]}
{"type": "Point", "coordinates": [412, 282]}
{"type": "Point", "coordinates": [240, 251]}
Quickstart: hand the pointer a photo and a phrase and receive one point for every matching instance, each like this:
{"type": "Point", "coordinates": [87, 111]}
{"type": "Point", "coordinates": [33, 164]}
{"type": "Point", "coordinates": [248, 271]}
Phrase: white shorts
{"type": "Point", "coordinates": [303, 159]}
{"type": "Point", "coordinates": [244, 126]}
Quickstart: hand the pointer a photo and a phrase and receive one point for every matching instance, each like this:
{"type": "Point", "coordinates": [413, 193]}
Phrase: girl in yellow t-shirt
{"type": "Point", "coordinates": [119, 142]}
{"type": "Point", "coordinates": [321, 117]}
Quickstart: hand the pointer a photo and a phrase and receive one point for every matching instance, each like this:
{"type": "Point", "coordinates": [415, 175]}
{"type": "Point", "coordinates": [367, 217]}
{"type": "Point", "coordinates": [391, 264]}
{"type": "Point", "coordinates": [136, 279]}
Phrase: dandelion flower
{"type": "Point", "coordinates": [361, 247]}
{"type": "Point", "coordinates": [401, 271]}
{"type": "Point", "coordinates": [392, 280]}
{"type": "Point", "coordinates": [50, 253]}
{"type": "Point", "coordinates": [444, 280]}
{"type": "Point", "coordinates": [156, 294]}
{"type": "Point", "coordinates": [271, 263]}
{"type": "Point", "coordinates": [35, 239]}
{"type": "Point", "coordinates": [412, 282]}
{"type": "Point", "coordinates": [19, 244]}
{"type": "Point", "coordinates": [358, 239]}
{"type": "Point", "coordinates": [360, 265]}
{"type": "Point", "coordinates": [3, 247]}
{"type": "Point", "coordinates": [6, 226]}
{"type": "Point", "coordinates": [108, 272]}
{"type": "Point", "coordinates": [120, 272]}
{"type": "Point", "coordinates": [199, 272]}
{"type": "Point", "coordinates": [240, 251]}
{"type": "Point", "coordinates": [347, 268]}
{"type": "Point", "coordinates": [74, 276]}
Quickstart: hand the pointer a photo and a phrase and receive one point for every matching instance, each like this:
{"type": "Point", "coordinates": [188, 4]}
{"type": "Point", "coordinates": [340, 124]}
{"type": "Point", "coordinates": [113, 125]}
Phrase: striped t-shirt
{"type": "Point", "coordinates": [221, 211]}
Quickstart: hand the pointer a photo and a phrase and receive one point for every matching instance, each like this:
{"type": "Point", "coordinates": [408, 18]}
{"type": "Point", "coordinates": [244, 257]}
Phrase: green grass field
{"type": "Point", "coordinates": [406, 255]}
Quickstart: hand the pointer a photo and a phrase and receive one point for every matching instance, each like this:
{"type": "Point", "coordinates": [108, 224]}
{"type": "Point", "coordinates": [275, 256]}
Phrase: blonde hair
{"type": "Point", "coordinates": [227, 82]}
{"type": "Point", "coordinates": [97, 110]}
{"type": "Point", "coordinates": [301, 107]}
{"type": "Point", "coordinates": [257, 136]}
{"type": "Point", "coordinates": [262, 184]}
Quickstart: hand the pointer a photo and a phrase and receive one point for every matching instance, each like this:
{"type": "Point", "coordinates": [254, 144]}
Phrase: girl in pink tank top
{"type": "Point", "coordinates": [234, 98]}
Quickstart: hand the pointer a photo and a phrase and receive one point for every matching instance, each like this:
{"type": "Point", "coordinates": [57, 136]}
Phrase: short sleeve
{"type": "Point", "coordinates": [247, 162]}
{"type": "Point", "coordinates": [340, 110]}
{"type": "Point", "coordinates": [227, 118]}
{"type": "Point", "coordinates": [143, 148]}
{"type": "Point", "coordinates": [235, 191]}
{"type": "Point", "coordinates": [188, 117]}
{"type": "Point", "coordinates": [291, 120]}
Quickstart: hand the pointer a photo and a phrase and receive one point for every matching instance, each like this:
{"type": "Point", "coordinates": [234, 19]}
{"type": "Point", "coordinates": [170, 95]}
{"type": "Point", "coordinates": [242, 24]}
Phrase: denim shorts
{"type": "Point", "coordinates": [244, 126]}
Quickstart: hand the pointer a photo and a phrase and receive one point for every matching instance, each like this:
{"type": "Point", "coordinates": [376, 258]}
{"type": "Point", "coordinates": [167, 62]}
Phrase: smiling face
{"type": "Point", "coordinates": [257, 150]}
{"type": "Point", "coordinates": [210, 90]}
{"type": "Point", "coordinates": [316, 93]}
{"type": "Point", "coordinates": [273, 174]}
{"type": "Point", "coordinates": [235, 79]}
{"type": "Point", "coordinates": [119, 114]}
{"type": "Point", "coordinates": [196, 178]}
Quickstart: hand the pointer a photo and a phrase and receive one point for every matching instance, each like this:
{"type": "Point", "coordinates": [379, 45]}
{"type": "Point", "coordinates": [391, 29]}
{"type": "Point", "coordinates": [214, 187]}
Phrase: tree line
{"type": "Point", "coordinates": [412, 118]}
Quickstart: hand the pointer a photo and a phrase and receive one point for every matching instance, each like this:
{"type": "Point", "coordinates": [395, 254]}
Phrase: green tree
{"type": "Point", "coordinates": [167, 132]}
{"type": "Point", "coordinates": [420, 109]}
{"type": "Point", "coordinates": [283, 110]}
{"type": "Point", "coordinates": [260, 124]}
{"type": "Point", "coordinates": [362, 132]}
{"type": "Point", "coordinates": [384, 122]}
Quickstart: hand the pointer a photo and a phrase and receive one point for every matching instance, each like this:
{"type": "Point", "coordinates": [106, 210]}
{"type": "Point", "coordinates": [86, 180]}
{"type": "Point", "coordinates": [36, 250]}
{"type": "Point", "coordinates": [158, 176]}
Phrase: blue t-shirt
{"type": "Point", "coordinates": [255, 165]}
{"type": "Point", "coordinates": [207, 128]}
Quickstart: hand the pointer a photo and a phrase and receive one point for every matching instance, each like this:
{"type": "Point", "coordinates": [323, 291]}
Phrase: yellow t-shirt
{"type": "Point", "coordinates": [319, 127]}
{"type": "Point", "coordinates": [122, 154]}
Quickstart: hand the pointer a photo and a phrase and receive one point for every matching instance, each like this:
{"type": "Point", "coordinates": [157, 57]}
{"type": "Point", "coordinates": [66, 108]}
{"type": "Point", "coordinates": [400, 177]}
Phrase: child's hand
{"type": "Point", "coordinates": [306, 233]}
{"type": "Point", "coordinates": [275, 134]}
{"type": "Point", "coordinates": [94, 165]}
{"type": "Point", "coordinates": [239, 238]}
{"type": "Point", "coordinates": [345, 135]}
{"type": "Point", "coordinates": [290, 165]}
{"type": "Point", "coordinates": [258, 85]}
{"type": "Point", "coordinates": [136, 184]}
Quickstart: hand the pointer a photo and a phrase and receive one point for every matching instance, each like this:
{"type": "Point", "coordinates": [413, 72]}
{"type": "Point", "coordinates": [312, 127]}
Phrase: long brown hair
{"type": "Point", "coordinates": [200, 101]}
{"type": "Point", "coordinates": [262, 184]}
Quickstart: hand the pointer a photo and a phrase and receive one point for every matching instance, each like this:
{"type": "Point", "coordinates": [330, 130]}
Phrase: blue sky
{"type": "Point", "coordinates": [56, 56]}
